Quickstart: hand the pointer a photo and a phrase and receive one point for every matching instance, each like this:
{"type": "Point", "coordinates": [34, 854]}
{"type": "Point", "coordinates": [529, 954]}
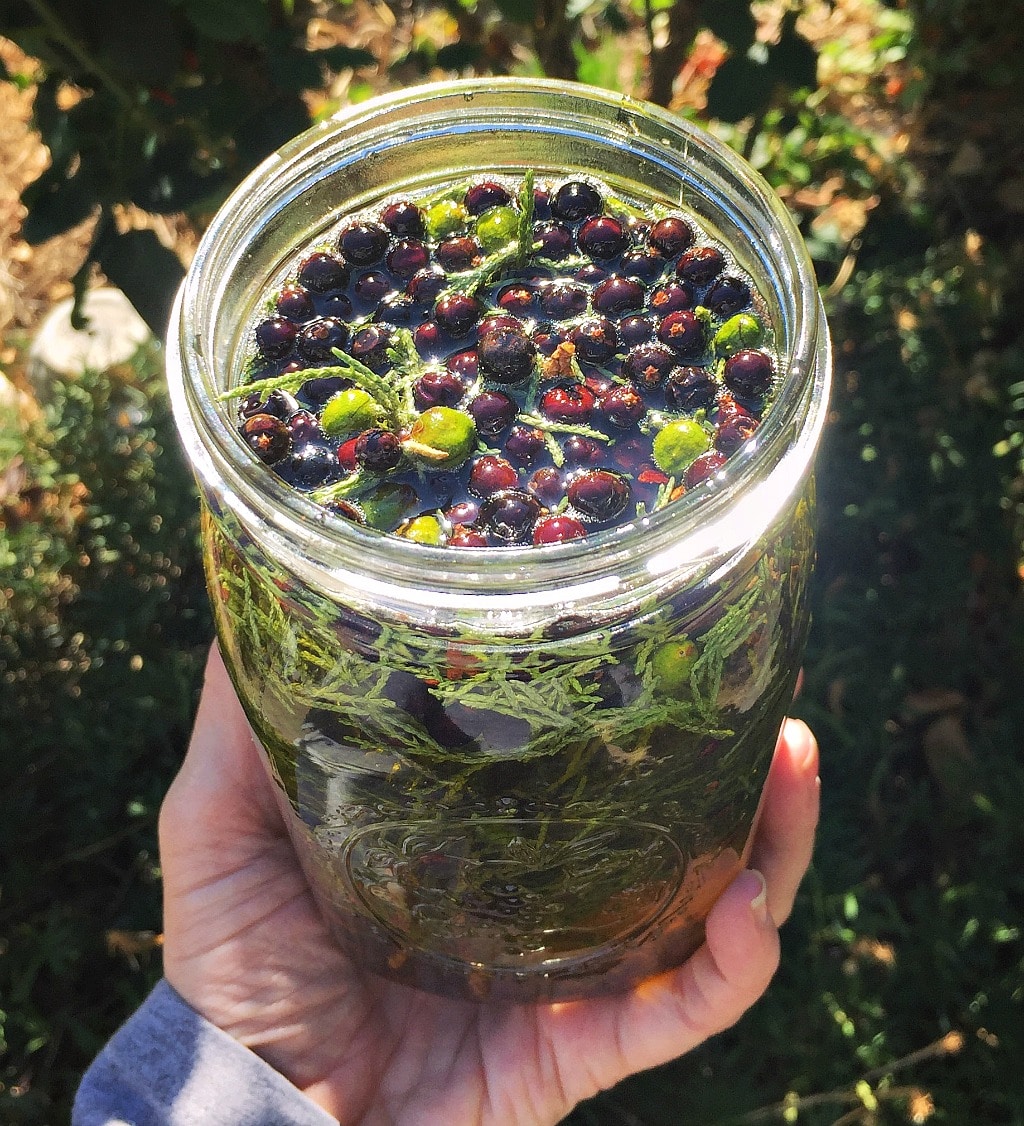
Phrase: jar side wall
{"type": "Point", "coordinates": [583, 835]}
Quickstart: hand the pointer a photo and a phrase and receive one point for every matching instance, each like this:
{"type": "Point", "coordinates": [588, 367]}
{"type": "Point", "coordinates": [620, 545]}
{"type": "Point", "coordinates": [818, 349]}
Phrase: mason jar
{"type": "Point", "coordinates": [509, 773]}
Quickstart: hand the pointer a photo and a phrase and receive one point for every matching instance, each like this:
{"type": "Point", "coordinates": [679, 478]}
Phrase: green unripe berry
{"type": "Point", "coordinates": [442, 436]}
{"type": "Point", "coordinates": [385, 506]}
{"type": "Point", "coordinates": [351, 411]}
{"type": "Point", "coordinates": [672, 664]}
{"type": "Point", "coordinates": [497, 227]}
{"type": "Point", "coordinates": [421, 529]}
{"type": "Point", "coordinates": [678, 444]}
{"type": "Point", "coordinates": [444, 218]}
{"type": "Point", "coordinates": [741, 331]}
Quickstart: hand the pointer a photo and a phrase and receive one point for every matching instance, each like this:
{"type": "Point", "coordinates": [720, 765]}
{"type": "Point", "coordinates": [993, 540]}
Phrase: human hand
{"type": "Point", "coordinates": [244, 944]}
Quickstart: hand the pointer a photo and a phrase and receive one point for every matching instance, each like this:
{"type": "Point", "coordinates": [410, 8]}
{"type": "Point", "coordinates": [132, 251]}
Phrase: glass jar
{"type": "Point", "coordinates": [510, 773]}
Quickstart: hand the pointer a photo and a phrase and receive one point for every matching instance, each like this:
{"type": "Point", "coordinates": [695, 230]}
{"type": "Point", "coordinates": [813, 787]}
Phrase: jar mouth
{"type": "Point", "coordinates": [245, 244]}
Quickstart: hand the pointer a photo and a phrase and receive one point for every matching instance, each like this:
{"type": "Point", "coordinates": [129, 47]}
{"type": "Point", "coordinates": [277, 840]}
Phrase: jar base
{"type": "Point", "coordinates": [641, 950]}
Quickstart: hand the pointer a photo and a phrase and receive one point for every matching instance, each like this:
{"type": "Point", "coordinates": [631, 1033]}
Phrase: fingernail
{"type": "Point", "coordinates": [759, 903]}
{"type": "Point", "coordinates": [805, 749]}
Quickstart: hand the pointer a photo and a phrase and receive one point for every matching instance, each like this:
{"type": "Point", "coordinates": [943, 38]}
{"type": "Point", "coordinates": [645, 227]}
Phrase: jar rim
{"type": "Point", "coordinates": [704, 524]}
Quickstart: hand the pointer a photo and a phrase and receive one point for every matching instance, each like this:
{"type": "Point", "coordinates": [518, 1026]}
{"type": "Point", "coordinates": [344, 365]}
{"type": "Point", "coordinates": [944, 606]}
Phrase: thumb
{"type": "Point", "coordinates": [673, 1013]}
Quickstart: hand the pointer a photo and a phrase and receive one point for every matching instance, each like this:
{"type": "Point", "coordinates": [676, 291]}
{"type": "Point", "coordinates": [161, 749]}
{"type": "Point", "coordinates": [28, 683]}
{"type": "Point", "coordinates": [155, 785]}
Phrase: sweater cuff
{"type": "Point", "coordinates": [168, 1066]}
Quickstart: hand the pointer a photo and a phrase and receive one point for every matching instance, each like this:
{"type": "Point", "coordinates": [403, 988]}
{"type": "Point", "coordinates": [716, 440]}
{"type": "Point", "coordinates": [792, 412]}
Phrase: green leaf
{"type": "Point", "coordinates": [518, 11]}
{"type": "Point", "coordinates": [144, 270]}
{"type": "Point", "coordinates": [229, 20]}
{"type": "Point", "coordinates": [732, 21]}
{"type": "Point", "coordinates": [741, 88]}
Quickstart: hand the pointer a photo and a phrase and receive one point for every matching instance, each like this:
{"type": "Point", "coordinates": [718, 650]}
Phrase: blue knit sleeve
{"type": "Point", "coordinates": [167, 1066]}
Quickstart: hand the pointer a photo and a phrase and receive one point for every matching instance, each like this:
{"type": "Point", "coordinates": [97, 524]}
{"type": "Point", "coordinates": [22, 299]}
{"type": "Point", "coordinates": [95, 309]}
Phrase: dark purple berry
{"type": "Point", "coordinates": [580, 451]}
{"type": "Point", "coordinates": [493, 412]}
{"type": "Point", "coordinates": [398, 309]}
{"type": "Point", "coordinates": [281, 404]}
{"type": "Point", "coordinates": [429, 339]}
{"type": "Point", "coordinates": [701, 264]}
{"type": "Point", "coordinates": [491, 474]}
{"type": "Point", "coordinates": [295, 303]}
{"type": "Point", "coordinates": [370, 346]}
{"type": "Point", "coordinates": [403, 219]}
{"type": "Point", "coordinates": [438, 389]}
{"type": "Point", "coordinates": [558, 528]}
{"type": "Point", "coordinates": [671, 236]}
{"type": "Point", "coordinates": [590, 274]}
{"type": "Point", "coordinates": [516, 298]}
{"type": "Point", "coordinates": [407, 257]}
{"type": "Point", "coordinates": [501, 321]}
{"type": "Point", "coordinates": [618, 295]}
{"type": "Point", "coordinates": [574, 200]}
{"type": "Point", "coordinates": [458, 254]}
{"type": "Point", "coordinates": [703, 468]}
{"type": "Point", "coordinates": [372, 287]}
{"type": "Point", "coordinates": [541, 203]}
{"type": "Point", "coordinates": [251, 404]}
{"type": "Point", "coordinates": [275, 337]}
{"type": "Point", "coordinates": [644, 265]}
{"type": "Point", "coordinates": [319, 338]}
{"type": "Point", "coordinates": [682, 332]}
{"type": "Point", "coordinates": [304, 426]}
{"type": "Point", "coordinates": [489, 193]}
{"type": "Point", "coordinates": [524, 444]}
{"type": "Point", "coordinates": [727, 296]}
{"type": "Point", "coordinates": [733, 432]}
{"type": "Point", "coordinates": [595, 340]}
{"type": "Point", "coordinates": [510, 515]}
{"type": "Point", "coordinates": [465, 364]}
{"type": "Point", "coordinates": [457, 313]}
{"type": "Point", "coordinates": [571, 404]}
{"type": "Point", "coordinates": [337, 305]}
{"type": "Point", "coordinates": [689, 389]}
{"type": "Point", "coordinates": [623, 407]}
{"type": "Point", "coordinates": [670, 297]}
{"type": "Point", "coordinates": [600, 494]}
{"type": "Point", "coordinates": [317, 391]}
{"type": "Point", "coordinates": [463, 512]}
{"type": "Point", "coordinates": [546, 485]}
{"type": "Point", "coordinates": [364, 244]}
{"type": "Point", "coordinates": [507, 356]}
{"type": "Point", "coordinates": [379, 451]}
{"type": "Point", "coordinates": [635, 330]}
{"type": "Point", "coordinates": [267, 436]}
{"type": "Point", "coordinates": [748, 373]}
{"type": "Point", "coordinates": [548, 337]}
{"type": "Point", "coordinates": [563, 300]}
{"type": "Point", "coordinates": [649, 364]}
{"type": "Point", "coordinates": [602, 237]}
{"type": "Point", "coordinates": [425, 286]}
{"type": "Point", "coordinates": [555, 239]}
{"type": "Point", "coordinates": [321, 272]}
{"type": "Point", "coordinates": [310, 465]}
